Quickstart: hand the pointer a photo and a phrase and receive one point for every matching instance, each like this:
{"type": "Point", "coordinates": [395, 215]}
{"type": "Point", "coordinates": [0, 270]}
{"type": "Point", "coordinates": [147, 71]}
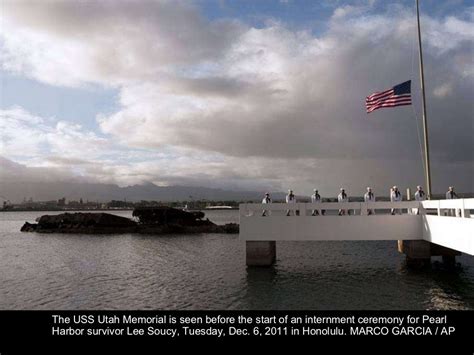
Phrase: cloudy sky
{"type": "Point", "coordinates": [260, 95]}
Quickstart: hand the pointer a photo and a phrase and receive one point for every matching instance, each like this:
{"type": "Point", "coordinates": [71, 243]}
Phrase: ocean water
{"type": "Point", "coordinates": [67, 271]}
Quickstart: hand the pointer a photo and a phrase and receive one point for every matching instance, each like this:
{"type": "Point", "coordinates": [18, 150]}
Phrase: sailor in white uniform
{"type": "Point", "coordinates": [315, 198]}
{"type": "Point", "coordinates": [342, 197]}
{"type": "Point", "coordinates": [396, 196]}
{"type": "Point", "coordinates": [419, 196]}
{"type": "Point", "coordinates": [266, 200]}
{"type": "Point", "coordinates": [369, 197]}
{"type": "Point", "coordinates": [451, 195]}
{"type": "Point", "coordinates": [290, 198]}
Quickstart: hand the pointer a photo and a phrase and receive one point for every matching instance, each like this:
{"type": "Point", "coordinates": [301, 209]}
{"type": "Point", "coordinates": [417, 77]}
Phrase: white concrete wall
{"type": "Point", "coordinates": [277, 226]}
{"type": "Point", "coordinates": [451, 232]}
{"type": "Point", "coordinates": [384, 227]}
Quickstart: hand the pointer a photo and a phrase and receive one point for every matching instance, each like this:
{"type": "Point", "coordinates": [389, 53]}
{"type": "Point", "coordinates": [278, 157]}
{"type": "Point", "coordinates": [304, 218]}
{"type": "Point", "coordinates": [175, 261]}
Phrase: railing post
{"type": "Point", "coordinates": [421, 209]}
{"type": "Point", "coordinates": [301, 210]}
{"type": "Point", "coordinates": [463, 211]}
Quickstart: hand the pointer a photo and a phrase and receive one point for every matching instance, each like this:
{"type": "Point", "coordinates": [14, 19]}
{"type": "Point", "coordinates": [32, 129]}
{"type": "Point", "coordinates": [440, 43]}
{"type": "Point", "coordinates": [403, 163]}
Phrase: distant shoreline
{"type": "Point", "coordinates": [100, 209]}
{"type": "Point", "coordinates": [64, 210]}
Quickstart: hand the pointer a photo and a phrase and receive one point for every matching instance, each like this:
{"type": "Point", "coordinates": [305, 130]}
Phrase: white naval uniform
{"type": "Point", "coordinates": [419, 196]}
{"type": "Point", "coordinates": [396, 198]}
{"type": "Point", "coordinates": [315, 199]}
{"type": "Point", "coordinates": [369, 198]}
{"type": "Point", "coordinates": [452, 212]}
{"type": "Point", "coordinates": [265, 201]}
{"type": "Point", "coordinates": [451, 197]}
{"type": "Point", "coordinates": [341, 198]}
{"type": "Point", "coordinates": [290, 199]}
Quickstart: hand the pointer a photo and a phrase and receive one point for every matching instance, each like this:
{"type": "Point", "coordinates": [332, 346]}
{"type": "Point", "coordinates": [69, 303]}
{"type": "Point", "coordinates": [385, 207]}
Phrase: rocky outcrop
{"type": "Point", "coordinates": [94, 223]}
{"type": "Point", "coordinates": [162, 220]}
{"type": "Point", "coordinates": [169, 216]}
{"type": "Point", "coordinates": [165, 220]}
{"type": "Point", "coordinates": [29, 227]}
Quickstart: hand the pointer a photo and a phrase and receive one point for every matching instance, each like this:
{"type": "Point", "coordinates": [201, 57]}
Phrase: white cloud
{"type": "Point", "coordinates": [344, 11]}
{"type": "Point", "coordinates": [26, 136]}
{"type": "Point", "coordinates": [443, 90]}
{"type": "Point", "coordinates": [71, 43]}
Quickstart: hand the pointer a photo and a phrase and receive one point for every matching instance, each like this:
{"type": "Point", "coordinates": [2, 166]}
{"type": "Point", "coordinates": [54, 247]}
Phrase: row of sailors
{"type": "Point", "coordinates": [395, 196]}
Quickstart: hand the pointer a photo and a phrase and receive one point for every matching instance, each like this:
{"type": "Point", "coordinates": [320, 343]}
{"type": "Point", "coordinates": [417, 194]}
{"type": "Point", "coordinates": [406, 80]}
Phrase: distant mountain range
{"type": "Point", "coordinates": [18, 182]}
{"type": "Point", "coordinates": [44, 191]}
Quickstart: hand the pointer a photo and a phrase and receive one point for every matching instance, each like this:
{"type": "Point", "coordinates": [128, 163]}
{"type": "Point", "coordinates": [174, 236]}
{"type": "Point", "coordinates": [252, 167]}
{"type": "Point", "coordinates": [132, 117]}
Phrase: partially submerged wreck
{"type": "Point", "coordinates": [150, 220]}
{"type": "Point", "coordinates": [166, 220]}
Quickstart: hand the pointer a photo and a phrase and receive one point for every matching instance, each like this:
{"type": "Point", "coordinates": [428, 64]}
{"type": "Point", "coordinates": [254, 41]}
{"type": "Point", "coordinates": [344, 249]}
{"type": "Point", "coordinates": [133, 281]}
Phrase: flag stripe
{"type": "Point", "coordinates": [373, 108]}
{"type": "Point", "coordinates": [393, 103]}
{"type": "Point", "coordinates": [376, 108]}
{"type": "Point", "coordinates": [389, 99]}
{"type": "Point", "coordinates": [379, 95]}
{"type": "Point", "coordinates": [399, 95]}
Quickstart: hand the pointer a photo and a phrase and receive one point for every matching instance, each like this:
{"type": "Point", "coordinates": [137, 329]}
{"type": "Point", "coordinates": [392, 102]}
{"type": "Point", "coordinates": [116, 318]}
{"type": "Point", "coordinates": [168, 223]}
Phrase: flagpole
{"type": "Point", "coordinates": [425, 124]}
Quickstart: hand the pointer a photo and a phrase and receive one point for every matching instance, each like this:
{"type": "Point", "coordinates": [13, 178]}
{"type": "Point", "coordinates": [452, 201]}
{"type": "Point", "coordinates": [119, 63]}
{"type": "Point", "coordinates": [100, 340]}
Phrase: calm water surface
{"type": "Point", "coordinates": [66, 271]}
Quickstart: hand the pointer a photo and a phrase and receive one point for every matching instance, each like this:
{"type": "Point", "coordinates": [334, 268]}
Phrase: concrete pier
{"type": "Point", "coordinates": [448, 254]}
{"type": "Point", "coordinates": [419, 252]}
{"type": "Point", "coordinates": [260, 253]}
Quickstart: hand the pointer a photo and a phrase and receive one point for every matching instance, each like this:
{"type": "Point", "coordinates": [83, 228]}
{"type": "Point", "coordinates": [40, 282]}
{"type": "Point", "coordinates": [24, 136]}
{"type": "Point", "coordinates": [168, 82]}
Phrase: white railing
{"type": "Point", "coordinates": [305, 209]}
{"type": "Point", "coordinates": [451, 225]}
{"type": "Point", "coordinates": [452, 208]}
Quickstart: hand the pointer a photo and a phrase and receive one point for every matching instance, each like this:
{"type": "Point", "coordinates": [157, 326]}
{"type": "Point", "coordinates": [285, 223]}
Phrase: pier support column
{"type": "Point", "coordinates": [417, 252]}
{"type": "Point", "coordinates": [448, 254]}
{"type": "Point", "coordinates": [260, 253]}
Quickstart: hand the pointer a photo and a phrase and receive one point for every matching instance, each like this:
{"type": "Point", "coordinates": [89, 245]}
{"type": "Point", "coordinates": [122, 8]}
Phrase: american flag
{"type": "Point", "coordinates": [399, 95]}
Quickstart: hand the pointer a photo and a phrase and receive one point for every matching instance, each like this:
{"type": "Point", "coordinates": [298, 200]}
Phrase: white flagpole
{"type": "Point", "coordinates": [425, 125]}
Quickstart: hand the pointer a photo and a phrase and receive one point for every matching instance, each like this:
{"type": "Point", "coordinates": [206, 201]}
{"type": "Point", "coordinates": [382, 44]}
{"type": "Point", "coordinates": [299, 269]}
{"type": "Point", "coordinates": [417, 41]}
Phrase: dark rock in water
{"type": "Point", "coordinates": [81, 223]}
{"type": "Point", "coordinates": [229, 228]}
{"type": "Point", "coordinates": [168, 216]}
{"type": "Point", "coordinates": [162, 220]}
{"type": "Point", "coordinates": [166, 220]}
{"type": "Point", "coordinates": [29, 227]}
